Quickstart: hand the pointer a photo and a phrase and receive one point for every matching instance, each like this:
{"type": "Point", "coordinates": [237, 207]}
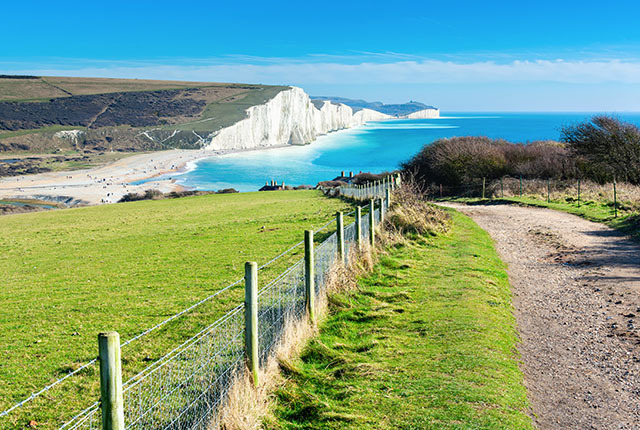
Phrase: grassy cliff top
{"type": "Point", "coordinates": [126, 115]}
{"type": "Point", "coordinates": [42, 88]}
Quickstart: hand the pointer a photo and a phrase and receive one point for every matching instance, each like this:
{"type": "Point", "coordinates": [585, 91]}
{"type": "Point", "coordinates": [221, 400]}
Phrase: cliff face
{"type": "Point", "coordinates": [288, 118]}
{"type": "Point", "coordinates": [424, 114]}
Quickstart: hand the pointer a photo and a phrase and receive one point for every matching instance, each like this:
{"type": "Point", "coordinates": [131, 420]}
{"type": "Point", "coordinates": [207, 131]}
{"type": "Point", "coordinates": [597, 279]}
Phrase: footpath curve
{"type": "Point", "coordinates": [576, 294]}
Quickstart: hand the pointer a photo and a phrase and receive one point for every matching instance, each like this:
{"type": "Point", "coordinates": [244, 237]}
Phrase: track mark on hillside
{"type": "Point", "coordinates": [576, 287]}
{"type": "Point", "coordinates": [102, 111]}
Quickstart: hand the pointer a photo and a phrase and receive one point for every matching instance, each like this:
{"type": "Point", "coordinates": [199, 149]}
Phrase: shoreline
{"type": "Point", "coordinates": [108, 183]}
{"type": "Point", "coordinates": [104, 184]}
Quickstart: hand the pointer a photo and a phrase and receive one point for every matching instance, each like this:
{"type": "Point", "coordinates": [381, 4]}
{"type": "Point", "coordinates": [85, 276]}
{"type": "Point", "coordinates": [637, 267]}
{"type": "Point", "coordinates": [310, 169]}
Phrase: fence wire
{"type": "Point", "coordinates": [324, 256]}
{"type": "Point", "coordinates": [279, 302]}
{"type": "Point", "coordinates": [349, 239]}
{"type": "Point", "coordinates": [188, 387]}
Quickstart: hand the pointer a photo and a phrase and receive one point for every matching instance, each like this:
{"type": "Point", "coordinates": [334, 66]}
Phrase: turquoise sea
{"type": "Point", "coordinates": [374, 147]}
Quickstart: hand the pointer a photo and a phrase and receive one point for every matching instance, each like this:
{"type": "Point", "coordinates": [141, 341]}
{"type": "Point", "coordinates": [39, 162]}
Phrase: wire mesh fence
{"type": "Point", "coordinates": [364, 230]}
{"type": "Point", "coordinates": [89, 419]}
{"type": "Point", "coordinates": [280, 301]}
{"type": "Point", "coordinates": [187, 388]}
{"type": "Point", "coordinates": [324, 258]}
{"type": "Point", "coordinates": [370, 190]}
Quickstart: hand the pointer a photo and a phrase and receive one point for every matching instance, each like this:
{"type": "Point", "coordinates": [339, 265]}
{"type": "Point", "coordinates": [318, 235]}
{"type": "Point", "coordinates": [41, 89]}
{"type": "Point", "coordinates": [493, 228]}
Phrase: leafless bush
{"type": "Point", "coordinates": [461, 160]}
{"type": "Point", "coordinates": [607, 148]}
{"type": "Point", "coordinates": [366, 177]}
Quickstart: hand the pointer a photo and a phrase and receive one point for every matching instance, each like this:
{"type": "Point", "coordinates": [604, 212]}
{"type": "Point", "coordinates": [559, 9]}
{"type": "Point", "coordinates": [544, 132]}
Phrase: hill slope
{"type": "Point", "coordinates": [92, 115]}
{"type": "Point", "coordinates": [69, 274]}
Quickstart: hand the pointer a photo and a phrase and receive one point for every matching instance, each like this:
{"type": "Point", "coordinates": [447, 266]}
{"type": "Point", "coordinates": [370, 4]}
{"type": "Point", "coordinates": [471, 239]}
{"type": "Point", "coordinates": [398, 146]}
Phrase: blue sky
{"type": "Point", "coordinates": [458, 55]}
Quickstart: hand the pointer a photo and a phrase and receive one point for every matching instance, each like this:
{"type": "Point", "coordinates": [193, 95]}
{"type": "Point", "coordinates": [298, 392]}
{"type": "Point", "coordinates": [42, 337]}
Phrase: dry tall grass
{"type": "Point", "coordinates": [627, 194]}
{"type": "Point", "coordinates": [410, 214]}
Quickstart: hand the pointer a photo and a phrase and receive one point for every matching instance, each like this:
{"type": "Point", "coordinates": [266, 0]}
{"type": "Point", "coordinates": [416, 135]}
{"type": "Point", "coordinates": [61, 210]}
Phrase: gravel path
{"type": "Point", "coordinates": [576, 288]}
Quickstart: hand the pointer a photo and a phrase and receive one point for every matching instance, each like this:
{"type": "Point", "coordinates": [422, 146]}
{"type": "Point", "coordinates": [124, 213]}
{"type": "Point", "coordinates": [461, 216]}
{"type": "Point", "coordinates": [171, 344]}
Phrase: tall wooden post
{"type": "Point", "coordinates": [309, 276]}
{"type": "Point", "coordinates": [340, 236]}
{"type": "Point", "coordinates": [251, 318]}
{"type": "Point", "coordinates": [359, 226]}
{"type": "Point", "coordinates": [372, 223]}
{"type": "Point", "coordinates": [484, 186]}
{"type": "Point", "coordinates": [111, 381]}
{"type": "Point", "coordinates": [381, 210]}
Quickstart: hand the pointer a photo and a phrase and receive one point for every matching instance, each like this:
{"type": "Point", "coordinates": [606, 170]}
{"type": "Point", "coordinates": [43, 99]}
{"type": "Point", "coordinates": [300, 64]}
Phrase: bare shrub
{"type": "Point", "coordinates": [366, 177]}
{"type": "Point", "coordinates": [462, 160]}
{"type": "Point", "coordinates": [147, 195]}
{"type": "Point", "coordinates": [607, 148]}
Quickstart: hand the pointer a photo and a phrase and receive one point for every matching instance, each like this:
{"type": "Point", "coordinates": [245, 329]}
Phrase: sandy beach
{"type": "Point", "coordinates": [104, 184]}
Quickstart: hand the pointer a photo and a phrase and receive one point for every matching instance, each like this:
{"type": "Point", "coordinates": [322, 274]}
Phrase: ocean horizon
{"type": "Point", "coordinates": [377, 146]}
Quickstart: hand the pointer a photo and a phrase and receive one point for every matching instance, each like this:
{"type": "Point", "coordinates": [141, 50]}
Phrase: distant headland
{"type": "Point", "coordinates": [411, 109]}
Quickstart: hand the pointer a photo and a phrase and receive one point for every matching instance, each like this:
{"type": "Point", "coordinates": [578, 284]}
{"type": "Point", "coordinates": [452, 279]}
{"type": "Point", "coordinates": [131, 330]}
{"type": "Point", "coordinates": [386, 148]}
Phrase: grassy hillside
{"type": "Point", "coordinates": [428, 341]}
{"type": "Point", "coordinates": [42, 88]}
{"type": "Point", "coordinates": [122, 115]}
{"type": "Point", "coordinates": [69, 274]}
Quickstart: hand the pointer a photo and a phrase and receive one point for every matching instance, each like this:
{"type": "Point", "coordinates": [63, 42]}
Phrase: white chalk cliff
{"type": "Point", "coordinates": [424, 114]}
{"type": "Point", "coordinates": [288, 118]}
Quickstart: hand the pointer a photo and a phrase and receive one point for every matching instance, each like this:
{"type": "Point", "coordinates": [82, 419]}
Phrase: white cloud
{"type": "Point", "coordinates": [398, 72]}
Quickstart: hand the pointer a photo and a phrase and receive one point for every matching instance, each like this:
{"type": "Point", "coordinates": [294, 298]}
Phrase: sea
{"type": "Point", "coordinates": [374, 147]}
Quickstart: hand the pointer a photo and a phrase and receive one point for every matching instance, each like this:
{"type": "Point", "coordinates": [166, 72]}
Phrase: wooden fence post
{"type": "Point", "coordinates": [484, 186]}
{"type": "Point", "coordinates": [111, 381]}
{"type": "Point", "coordinates": [251, 317]}
{"type": "Point", "coordinates": [387, 198]}
{"type": "Point", "coordinates": [372, 223]}
{"type": "Point", "coordinates": [340, 236]}
{"type": "Point", "coordinates": [309, 275]}
{"type": "Point", "coordinates": [578, 192]}
{"type": "Point", "coordinates": [359, 226]}
{"type": "Point", "coordinates": [520, 185]}
{"type": "Point", "coordinates": [548, 190]}
{"type": "Point", "coordinates": [615, 199]}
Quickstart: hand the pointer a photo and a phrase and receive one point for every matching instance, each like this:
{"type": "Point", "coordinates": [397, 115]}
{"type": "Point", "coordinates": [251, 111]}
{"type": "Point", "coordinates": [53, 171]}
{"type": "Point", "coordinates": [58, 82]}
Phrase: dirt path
{"type": "Point", "coordinates": [576, 287]}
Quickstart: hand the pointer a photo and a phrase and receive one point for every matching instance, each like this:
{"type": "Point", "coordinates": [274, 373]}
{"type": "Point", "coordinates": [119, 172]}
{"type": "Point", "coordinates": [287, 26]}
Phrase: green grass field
{"type": "Point", "coordinates": [69, 274]}
{"type": "Point", "coordinates": [428, 341]}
